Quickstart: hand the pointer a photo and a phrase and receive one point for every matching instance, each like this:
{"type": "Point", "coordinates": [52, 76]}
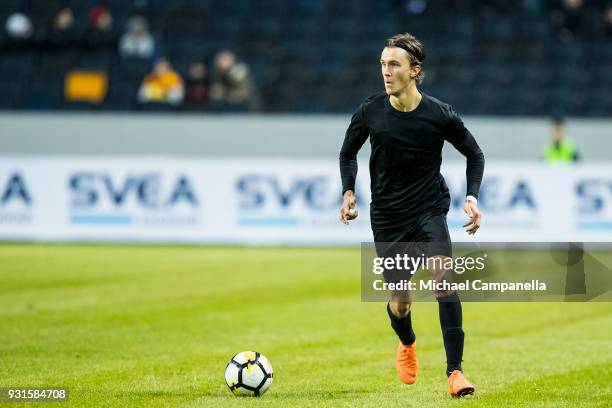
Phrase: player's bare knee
{"type": "Point", "coordinates": [442, 293]}
{"type": "Point", "coordinates": [399, 309]}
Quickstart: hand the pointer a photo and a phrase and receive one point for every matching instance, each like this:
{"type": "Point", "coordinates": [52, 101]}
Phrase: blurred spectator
{"type": "Point", "coordinates": [18, 30]}
{"type": "Point", "coordinates": [607, 18]}
{"type": "Point", "coordinates": [232, 84]}
{"type": "Point", "coordinates": [415, 6]}
{"type": "Point", "coordinates": [496, 7]}
{"type": "Point", "coordinates": [62, 33]}
{"type": "Point", "coordinates": [570, 20]}
{"type": "Point", "coordinates": [163, 85]}
{"type": "Point", "coordinates": [196, 94]}
{"type": "Point", "coordinates": [137, 42]}
{"type": "Point", "coordinates": [100, 30]}
{"type": "Point", "coordinates": [532, 7]}
{"type": "Point", "coordinates": [560, 149]}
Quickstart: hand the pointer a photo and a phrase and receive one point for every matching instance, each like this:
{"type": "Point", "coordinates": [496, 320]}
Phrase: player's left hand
{"type": "Point", "coordinates": [471, 209]}
{"type": "Point", "coordinates": [348, 211]}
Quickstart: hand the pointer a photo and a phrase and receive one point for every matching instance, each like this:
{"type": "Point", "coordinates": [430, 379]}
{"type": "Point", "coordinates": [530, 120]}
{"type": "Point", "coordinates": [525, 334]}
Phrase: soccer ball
{"type": "Point", "coordinates": [249, 374]}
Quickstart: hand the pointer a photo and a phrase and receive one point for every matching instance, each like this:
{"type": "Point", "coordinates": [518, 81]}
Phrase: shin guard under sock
{"type": "Point", "coordinates": [452, 331]}
{"type": "Point", "coordinates": [402, 327]}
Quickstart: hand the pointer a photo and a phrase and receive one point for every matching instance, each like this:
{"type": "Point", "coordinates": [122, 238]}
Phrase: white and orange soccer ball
{"type": "Point", "coordinates": [249, 374]}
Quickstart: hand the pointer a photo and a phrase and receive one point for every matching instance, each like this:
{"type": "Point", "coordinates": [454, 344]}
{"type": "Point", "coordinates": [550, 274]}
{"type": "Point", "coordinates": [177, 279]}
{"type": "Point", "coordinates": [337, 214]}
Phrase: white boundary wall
{"type": "Point", "coordinates": [249, 136]}
{"type": "Point", "coordinates": [262, 201]}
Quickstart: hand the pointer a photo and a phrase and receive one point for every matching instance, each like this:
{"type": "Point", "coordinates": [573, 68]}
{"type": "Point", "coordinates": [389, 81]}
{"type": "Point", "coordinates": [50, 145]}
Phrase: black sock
{"type": "Point", "coordinates": [452, 333]}
{"type": "Point", "coordinates": [402, 327]}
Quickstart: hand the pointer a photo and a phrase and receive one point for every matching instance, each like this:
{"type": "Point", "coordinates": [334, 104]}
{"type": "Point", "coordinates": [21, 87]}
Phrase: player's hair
{"type": "Point", "coordinates": [414, 48]}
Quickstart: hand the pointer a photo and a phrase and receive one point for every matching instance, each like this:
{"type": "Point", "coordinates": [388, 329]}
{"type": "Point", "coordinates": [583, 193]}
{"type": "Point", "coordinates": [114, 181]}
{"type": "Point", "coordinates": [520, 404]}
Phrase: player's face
{"type": "Point", "coordinates": [396, 70]}
{"type": "Point", "coordinates": [557, 132]}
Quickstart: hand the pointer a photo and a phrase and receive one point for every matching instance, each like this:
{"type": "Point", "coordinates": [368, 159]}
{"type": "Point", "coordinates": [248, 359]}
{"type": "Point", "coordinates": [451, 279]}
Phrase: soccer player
{"type": "Point", "coordinates": [410, 199]}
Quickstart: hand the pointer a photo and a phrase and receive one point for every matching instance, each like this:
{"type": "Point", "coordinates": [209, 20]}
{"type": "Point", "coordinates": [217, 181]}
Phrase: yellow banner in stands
{"type": "Point", "coordinates": [85, 86]}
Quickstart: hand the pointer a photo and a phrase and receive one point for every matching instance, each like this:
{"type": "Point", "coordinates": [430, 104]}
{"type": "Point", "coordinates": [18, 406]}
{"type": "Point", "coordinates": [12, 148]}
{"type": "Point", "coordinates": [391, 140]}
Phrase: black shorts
{"type": "Point", "coordinates": [428, 236]}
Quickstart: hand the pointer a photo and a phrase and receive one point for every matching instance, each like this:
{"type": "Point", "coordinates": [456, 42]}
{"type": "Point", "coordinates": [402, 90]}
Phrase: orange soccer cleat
{"type": "Point", "coordinates": [458, 385]}
{"type": "Point", "coordinates": [406, 363]}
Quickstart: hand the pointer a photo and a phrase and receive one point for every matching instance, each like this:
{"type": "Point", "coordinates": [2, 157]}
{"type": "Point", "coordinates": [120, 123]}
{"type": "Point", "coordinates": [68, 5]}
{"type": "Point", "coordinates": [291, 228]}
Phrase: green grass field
{"type": "Point", "coordinates": [124, 326]}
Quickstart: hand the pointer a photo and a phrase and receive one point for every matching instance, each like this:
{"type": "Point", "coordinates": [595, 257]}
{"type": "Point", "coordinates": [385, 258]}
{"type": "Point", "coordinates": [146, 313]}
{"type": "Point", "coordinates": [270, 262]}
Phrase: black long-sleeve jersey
{"type": "Point", "coordinates": [406, 157]}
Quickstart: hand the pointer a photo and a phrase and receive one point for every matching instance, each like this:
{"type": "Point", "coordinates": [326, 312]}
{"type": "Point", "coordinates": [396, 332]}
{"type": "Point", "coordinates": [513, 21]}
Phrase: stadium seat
{"type": "Point", "coordinates": [330, 46]}
{"type": "Point", "coordinates": [15, 64]}
{"type": "Point", "coordinates": [200, 5]}
{"type": "Point", "coordinates": [497, 28]}
{"type": "Point", "coordinates": [100, 60]}
{"type": "Point", "coordinates": [601, 52]}
{"type": "Point", "coordinates": [318, 9]}
{"type": "Point", "coordinates": [43, 95]}
{"type": "Point", "coordinates": [460, 27]}
{"type": "Point", "coordinates": [82, 7]}
{"type": "Point", "coordinates": [53, 64]}
{"type": "Point", "coordinates": [600, 104]}
{"type": "Point", "coordinates": [121, 95]}
{"type": "Point", "coordinates": [279, 9]}
{"type": "Point", "coordinates": [11, 92]}
{"type": "Point", "coordinates": [7, 7]}
{"type": "Point", "coordinates": [133, 69]}
{"type": "Point", "coordinates": [531, 74]}
{"type": "Point", "coordinates": [534, 27]}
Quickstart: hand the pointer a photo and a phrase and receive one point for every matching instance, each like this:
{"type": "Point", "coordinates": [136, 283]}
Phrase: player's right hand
{"type": "Point", "coordinates": [348, 211]}
{"type": "Point", "coordinates": [471, 209]}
